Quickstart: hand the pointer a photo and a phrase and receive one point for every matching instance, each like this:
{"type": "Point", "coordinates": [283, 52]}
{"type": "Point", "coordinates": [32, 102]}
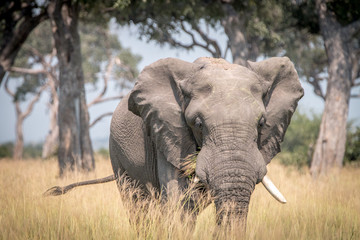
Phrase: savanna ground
{"type": "Point", "coordinates": [324, 209]}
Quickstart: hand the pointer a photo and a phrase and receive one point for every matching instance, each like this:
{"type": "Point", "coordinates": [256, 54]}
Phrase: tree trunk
{"type": "Point", "coordinates": [330, 145]}
{"type": "Point", "coordinates": [19, 142]}
{"type": "Point", "coordinates": [75, 150]}
{"type": "Point", "coordinates": [234, 26]}
{"type": "Point", "coordinates": [52, 139]}
{"type": "Point", "coordinates": [20, 117]}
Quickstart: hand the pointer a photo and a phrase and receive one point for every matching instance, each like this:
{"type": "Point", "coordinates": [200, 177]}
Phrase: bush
{"type": "Point", "coordinates": [352, 152]}
{"type": "Point", "coordinates": [6, 150]}
{"type": "Point", "coordinates": [103, 152]}
{"type": "Point", "coordinates": [32, 150]}
{"type": "Point", "coordinates": [300, 139]}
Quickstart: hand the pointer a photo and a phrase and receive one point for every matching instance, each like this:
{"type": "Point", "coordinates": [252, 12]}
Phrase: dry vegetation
{"type": "Point", "coordinates": [327, 209]}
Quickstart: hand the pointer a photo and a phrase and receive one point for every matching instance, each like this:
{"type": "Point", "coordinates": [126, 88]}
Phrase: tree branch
{"type": "Point", "coordinates": [107, 74]}
{"type": "Point", "coordinates": [175, 43]}
{"type": "Point", "coordinates": [105, 100]}
{"type": "Point", "coordinates": [33, 101]}
{"type": "Point", "coordinates": [227, 49]}
{"type": "Point", "coordinates": [196, 43]}
{"type": "Point", "coordinates": [99, 118]}
{"type": "Point", "coordinates": [353, 29]}
{"type": "Point", "coordinates": [315, 82]}
{"type": "Point", "coordinates": [208, 40]}
{"type": "Point", "coordinates": [7, 89]}
{"type": "Point", "coordinates": [27, 70]}
{"type": "Point", "coordinates": [13, 40]}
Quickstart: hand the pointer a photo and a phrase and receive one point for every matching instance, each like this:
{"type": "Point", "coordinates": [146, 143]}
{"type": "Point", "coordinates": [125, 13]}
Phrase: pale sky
{"type": "Point", "coordinates": [37, 124]}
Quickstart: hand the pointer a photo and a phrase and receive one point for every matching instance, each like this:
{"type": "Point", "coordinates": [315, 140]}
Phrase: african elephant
{"type": "Point", "coordinates": [236, 115]}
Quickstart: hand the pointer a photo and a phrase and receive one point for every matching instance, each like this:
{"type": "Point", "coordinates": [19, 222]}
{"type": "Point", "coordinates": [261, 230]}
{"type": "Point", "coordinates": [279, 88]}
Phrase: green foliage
{"type": "Point", "coordinates": [304, 16]}
{"type": "Point", "coordinates": [32, 150]}
{"type": "Point", "coordinates": [346, 11]}
{"type": "Point", "coordinates": [161, 27]}
{"type": "Point", "coordinates": [6, 150]}
{"type": "Point", "coordinates": [104, 152]}
{"type": "Point", "coordinates": [308, 54]}
{"type": "Point", "coordinates": [38, 43]}
{"type": "Point", "coordinates": [264, 24]}
{"type": "Point", "coordinates": [300, 139]}
{"type": "Point", "coordinates": [29, 85]}
{"type": "Point", "coordinates": [261, 20]}
{"type": "Point", "coordinates": [352, 152]}
{"type": "Point", "coordinates": [98, 46]}
{"type": "Point", "coordinates": [121, 3]}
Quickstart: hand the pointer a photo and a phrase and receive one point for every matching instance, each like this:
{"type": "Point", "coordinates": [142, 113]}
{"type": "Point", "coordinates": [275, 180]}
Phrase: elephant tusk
{"type": "Point", "coordinates": [196, 179]}
{"type": "Point", "coordinates": [269, 185]}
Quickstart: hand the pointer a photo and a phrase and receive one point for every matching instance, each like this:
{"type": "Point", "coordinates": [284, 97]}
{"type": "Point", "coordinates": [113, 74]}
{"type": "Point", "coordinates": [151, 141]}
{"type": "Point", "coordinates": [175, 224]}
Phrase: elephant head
{"type": "Point", "coordinates": [237, 116]}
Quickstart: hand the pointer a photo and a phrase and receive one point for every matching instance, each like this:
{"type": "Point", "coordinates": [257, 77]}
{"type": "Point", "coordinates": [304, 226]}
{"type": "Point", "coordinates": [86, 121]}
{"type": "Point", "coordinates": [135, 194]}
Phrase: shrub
{"type": "Point", "coordinates": [32, 150]}
{"type": "Point", "coordinates": [352, 152]}
{"type": "Point", "coordinates": [300, 139]}
{"type": "Point", "coordinates": [6, 150]}
{"type": "Point", "coordinates": [103, 152]}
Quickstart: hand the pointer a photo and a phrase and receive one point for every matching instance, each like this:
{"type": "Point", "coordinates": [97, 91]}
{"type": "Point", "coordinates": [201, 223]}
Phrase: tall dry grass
{"type": "Point", "coordinates": [325, 209]}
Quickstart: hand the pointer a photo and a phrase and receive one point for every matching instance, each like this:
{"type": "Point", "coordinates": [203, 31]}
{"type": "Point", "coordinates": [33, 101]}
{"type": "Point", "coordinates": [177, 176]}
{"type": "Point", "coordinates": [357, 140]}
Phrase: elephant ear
{"type": "Point", "coordinates": [157, 99]}
{"type": "Point", "coordinates": [282, 91]}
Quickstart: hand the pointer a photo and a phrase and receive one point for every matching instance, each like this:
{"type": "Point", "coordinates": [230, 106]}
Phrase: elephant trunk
{"type": "Point", "coordinates": [231, 164]}
{"type": "Point", "coordinates": [232, 187]}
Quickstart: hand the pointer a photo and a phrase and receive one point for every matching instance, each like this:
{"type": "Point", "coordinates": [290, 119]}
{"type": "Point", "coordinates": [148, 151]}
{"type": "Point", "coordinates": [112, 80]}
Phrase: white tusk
{"type": "Point", "coordinates": [269, 185]}
{"type": "Point", "coordinates": [196, 179]}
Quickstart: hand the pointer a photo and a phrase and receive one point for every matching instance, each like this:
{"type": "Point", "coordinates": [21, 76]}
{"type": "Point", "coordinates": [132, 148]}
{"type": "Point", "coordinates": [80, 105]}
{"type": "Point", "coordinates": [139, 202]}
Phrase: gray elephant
{"type": "Point", "coordinates": [236, 115]}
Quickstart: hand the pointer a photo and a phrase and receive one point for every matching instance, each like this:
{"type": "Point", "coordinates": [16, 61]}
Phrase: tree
{"type": "Point", "coordinates": [22, 115]}
{"type": "Point", "coordinates": [323, 40]}
{"type": "Point", "coordinates": [17, 19]}
{"type": "Point", "coordinates": [39, 50]}
{"type": "Point", "coordinates": [340, 30]}
{"type": "Point", "coordinates": [75, 149]}
{"type": "Point", "coordinates": [99, 47]}
{"type": "Point", "coordinates": [245, 23]}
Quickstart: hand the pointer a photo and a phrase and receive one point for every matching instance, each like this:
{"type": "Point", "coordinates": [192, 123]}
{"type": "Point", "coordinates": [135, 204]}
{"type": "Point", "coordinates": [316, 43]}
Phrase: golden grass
{"type": "Point", "coordinates": [324, 209]}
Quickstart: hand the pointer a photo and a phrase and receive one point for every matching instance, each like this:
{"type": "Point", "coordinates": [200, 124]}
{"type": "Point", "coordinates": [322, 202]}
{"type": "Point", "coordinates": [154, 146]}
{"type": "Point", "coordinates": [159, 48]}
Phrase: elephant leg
{"type": "Point", "coordinates": [171, 183]}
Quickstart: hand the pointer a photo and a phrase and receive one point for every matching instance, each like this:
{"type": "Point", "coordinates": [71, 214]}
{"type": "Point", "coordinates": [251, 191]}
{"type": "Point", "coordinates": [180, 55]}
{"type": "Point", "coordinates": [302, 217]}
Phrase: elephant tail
{"type": "Point", "coordinates": [55, 191]}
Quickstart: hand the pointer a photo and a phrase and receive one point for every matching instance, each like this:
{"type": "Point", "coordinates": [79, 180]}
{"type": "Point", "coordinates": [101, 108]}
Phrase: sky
{"type": "Point", "coordinates": [36, 125]}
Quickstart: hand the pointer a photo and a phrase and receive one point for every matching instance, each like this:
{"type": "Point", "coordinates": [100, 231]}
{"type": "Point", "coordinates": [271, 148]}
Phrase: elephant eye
{"type": "Point", "coordinates": [261, 122]}
{"type": "Point", "coordinates": [198, 123]}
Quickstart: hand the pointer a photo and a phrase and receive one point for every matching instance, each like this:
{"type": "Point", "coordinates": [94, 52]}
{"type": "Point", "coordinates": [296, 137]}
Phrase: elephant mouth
{"type": "Point", "coordinates": [188, 167]}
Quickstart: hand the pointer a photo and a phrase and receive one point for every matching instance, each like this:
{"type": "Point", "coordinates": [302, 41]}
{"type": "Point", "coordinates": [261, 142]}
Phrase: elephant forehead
{"type": "Point", "coordinates": [230, 82]}
{"type": "Point", "coordinates": [225, 77]}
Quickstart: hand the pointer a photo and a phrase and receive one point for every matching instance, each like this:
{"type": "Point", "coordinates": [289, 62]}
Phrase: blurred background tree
{"type": "Point", "coordinates": [104, 60]}
{"type": "Point", "coordinates": [18, 19]}
{"type": "Point", "coordinates": [252, 28]}
{"type": "Point", "coordinates": [335, 25]}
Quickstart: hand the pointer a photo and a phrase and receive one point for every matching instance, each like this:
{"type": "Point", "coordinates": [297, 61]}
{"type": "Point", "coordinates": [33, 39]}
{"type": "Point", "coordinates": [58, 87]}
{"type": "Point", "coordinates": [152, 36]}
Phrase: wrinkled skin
{"type": "Point", "coordinates": [237, 115]}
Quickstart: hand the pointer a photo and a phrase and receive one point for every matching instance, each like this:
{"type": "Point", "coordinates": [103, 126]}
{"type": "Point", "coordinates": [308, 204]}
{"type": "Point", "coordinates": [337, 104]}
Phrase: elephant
{"type": "Point", "coordinates": [236, 116]}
